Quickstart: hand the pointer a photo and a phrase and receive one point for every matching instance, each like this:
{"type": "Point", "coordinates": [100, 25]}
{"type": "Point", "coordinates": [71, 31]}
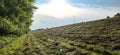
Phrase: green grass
{"type": "Point", "coordinates": [4, 40]}
{"type": "Point", "coordinates": [11, 47]}
{"type": "Point", "coordinates": [100, 37]}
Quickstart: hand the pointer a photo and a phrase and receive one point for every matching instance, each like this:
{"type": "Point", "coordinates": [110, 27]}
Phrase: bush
{"type": "Point", "coordinates": [15, 16]}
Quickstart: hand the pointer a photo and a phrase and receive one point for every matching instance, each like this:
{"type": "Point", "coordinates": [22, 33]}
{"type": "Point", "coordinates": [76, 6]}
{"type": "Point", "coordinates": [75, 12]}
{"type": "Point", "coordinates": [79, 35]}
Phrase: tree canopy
{"type": "Point", "coordinates": [15, 16]}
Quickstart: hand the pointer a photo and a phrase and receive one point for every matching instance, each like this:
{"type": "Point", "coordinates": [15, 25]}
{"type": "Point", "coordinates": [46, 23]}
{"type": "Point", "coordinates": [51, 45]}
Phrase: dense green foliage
{"type": "Point", "coordinates": [15, 16]}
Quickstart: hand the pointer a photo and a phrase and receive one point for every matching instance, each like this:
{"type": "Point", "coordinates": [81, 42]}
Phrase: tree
{"type": "Point", "coordinates": [108, 16]}
{"type": "Point", "coordinates": [15, 16]}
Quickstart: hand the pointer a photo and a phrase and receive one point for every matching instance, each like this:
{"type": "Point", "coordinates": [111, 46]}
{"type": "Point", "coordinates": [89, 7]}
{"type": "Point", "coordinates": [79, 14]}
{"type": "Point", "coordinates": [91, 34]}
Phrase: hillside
{"type": "Point", "coordinates": [99, 37]}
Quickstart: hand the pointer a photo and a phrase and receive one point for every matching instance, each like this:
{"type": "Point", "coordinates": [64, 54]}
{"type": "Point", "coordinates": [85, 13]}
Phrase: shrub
{"type": "Point", "coordinates": [15, 16]}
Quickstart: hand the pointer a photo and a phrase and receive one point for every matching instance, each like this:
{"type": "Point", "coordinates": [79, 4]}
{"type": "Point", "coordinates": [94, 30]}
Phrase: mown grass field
{"type": "Point", "coordinates": [12, 45]}
{"type": "Point", "coordinates": [100, 37]}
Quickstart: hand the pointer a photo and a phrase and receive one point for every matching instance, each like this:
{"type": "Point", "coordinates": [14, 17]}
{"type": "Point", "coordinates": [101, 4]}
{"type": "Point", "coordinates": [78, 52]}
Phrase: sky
{"type": "Point", "coordinates": [54, 13]}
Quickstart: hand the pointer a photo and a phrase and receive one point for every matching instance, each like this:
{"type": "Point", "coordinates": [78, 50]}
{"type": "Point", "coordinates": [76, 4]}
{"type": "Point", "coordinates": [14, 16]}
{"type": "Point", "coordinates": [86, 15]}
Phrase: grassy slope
{"type": "Point", "coordinates": [100, 37]}
{"type": "Point", "coordinates": [24, 45]}
{"type": "Point", "coordinates": [15, 45]}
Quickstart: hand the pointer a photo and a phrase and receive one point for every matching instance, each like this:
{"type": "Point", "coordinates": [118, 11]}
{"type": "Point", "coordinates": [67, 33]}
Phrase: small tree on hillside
{"type": "Point", "coordinates": [108, 16]}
